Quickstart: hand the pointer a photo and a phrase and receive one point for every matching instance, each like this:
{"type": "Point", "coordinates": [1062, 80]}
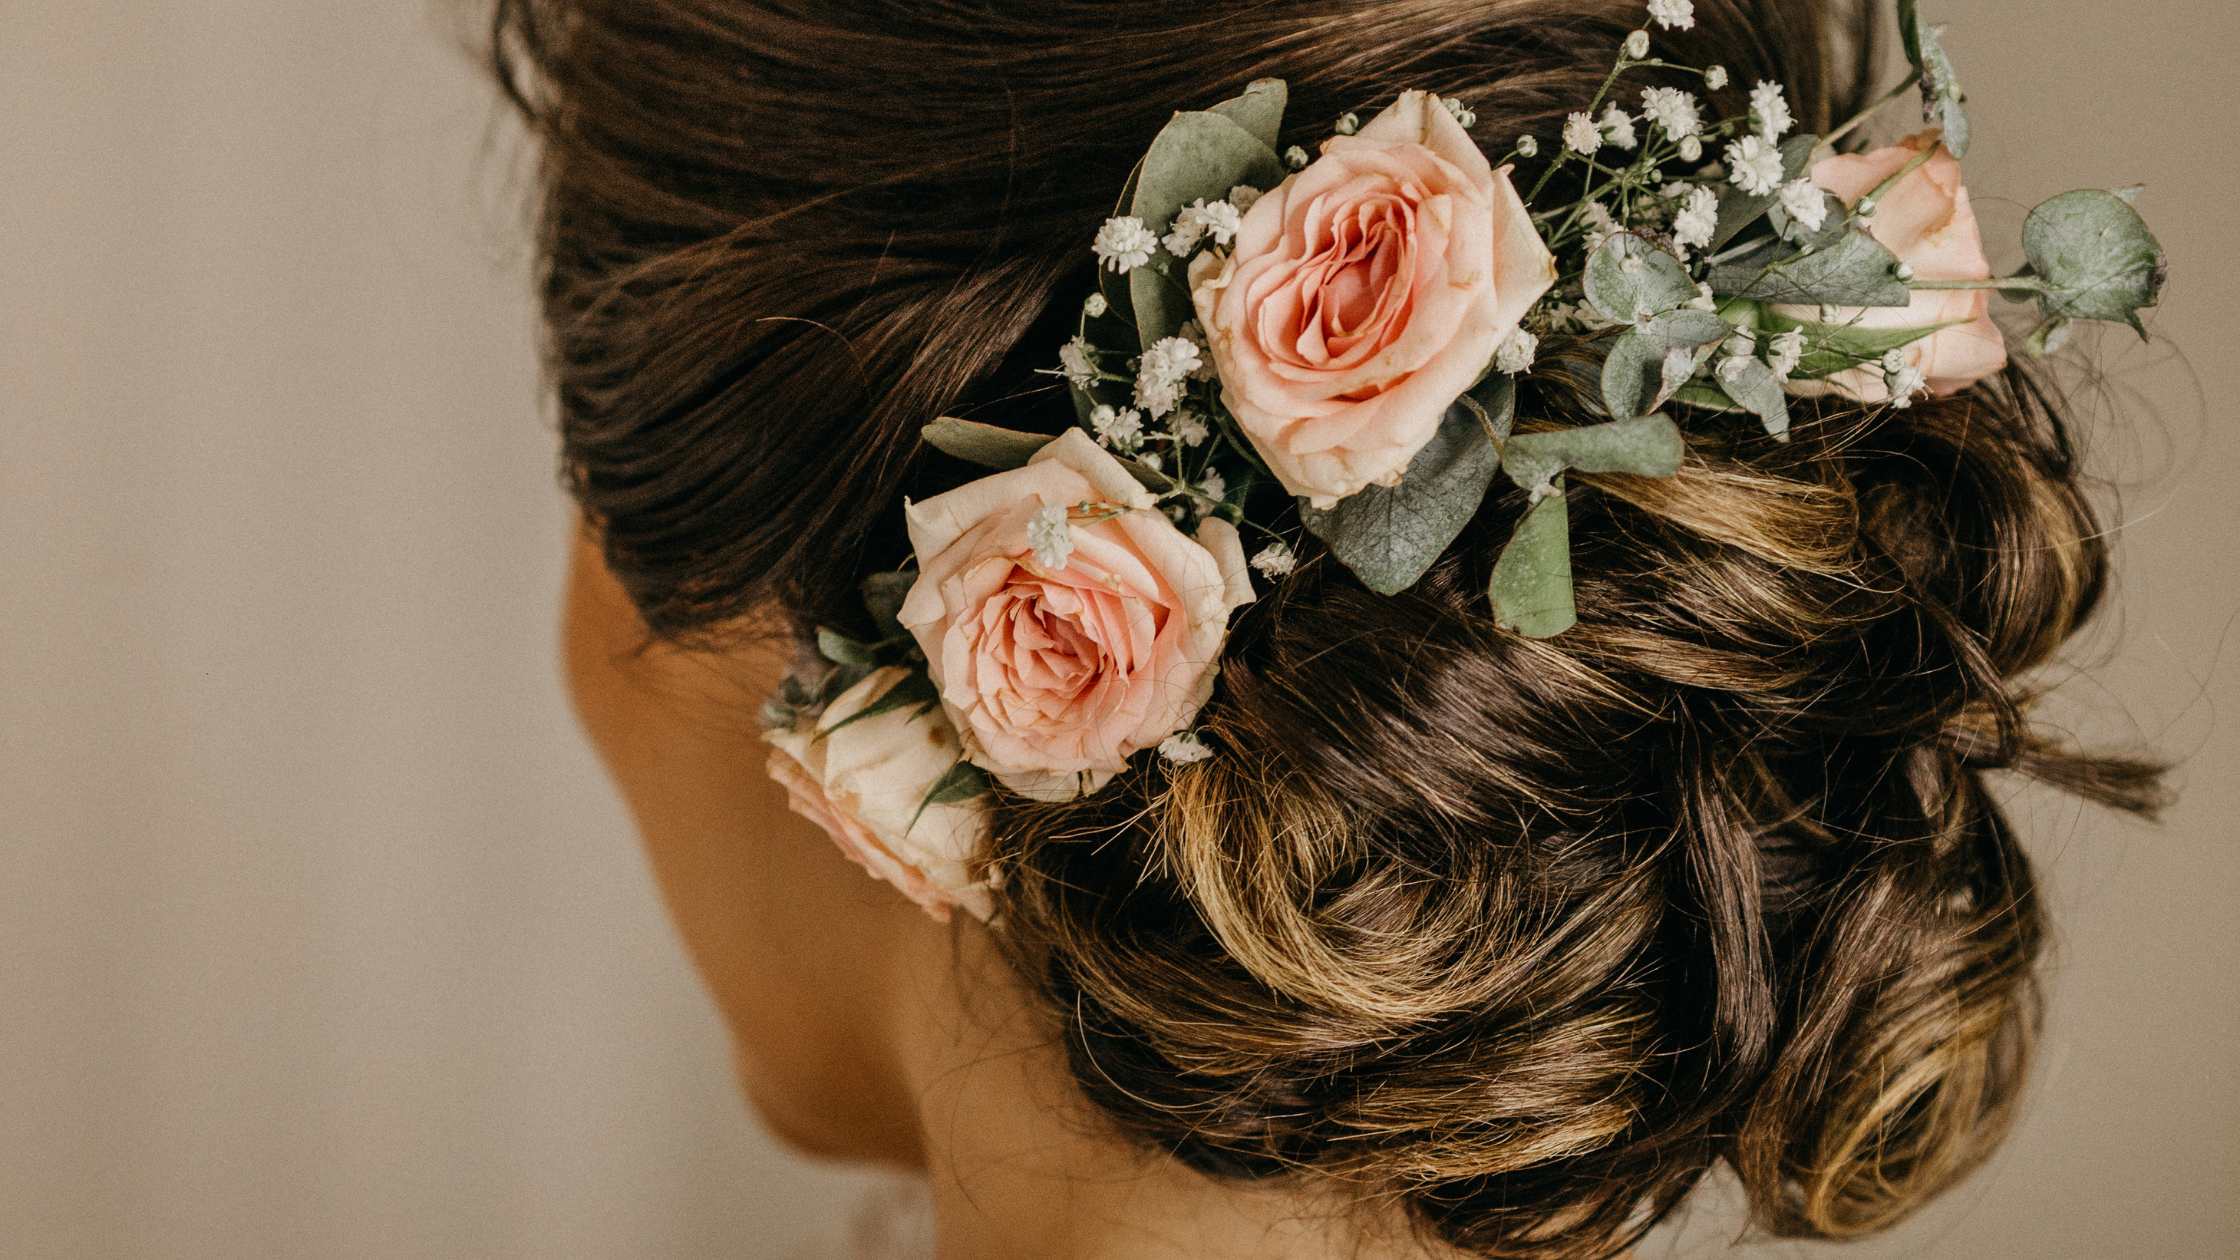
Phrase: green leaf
{"type": "Point", "coordinates": [1645, 446]}
{"type": "Point", "coordinates": [1752, 384]}
{"type": "Point", "coordinates": [1705, 395]}
{"type": "Point", "coordinates": [1855, 271]}
{"type": "Point", "coordinates": [1531, 586]}
{"type": "Point", "coordinates": [1629, 280]}
{"type": "Point", "coordinates": [1942, 97]}
{"type": "Point", "coordinates": [2096, 258]}
{"type": "Point", "coordinates": [962, 782]}
{"type": "Point", "coordinates": [1738, 209]}
{"type": "Point", "coordinates": [883, 594]}
{"type": "Point", "coordinates": [1389, 536]}
{"type": "Point", "coordinates": [1833, 348]}
{"type": "Point", "coordinates": [1259, 110]}
{"type": "Point", "coordinates": [1634, 379]}
{"type": "Point", "coordinates": [1198, 154]}
{"type": "Point", "coordinates": [842, 650]}
{"type": "Point", "coordinates": [983, 444]}
{"type": "Point", "coordinates": [914, 689]}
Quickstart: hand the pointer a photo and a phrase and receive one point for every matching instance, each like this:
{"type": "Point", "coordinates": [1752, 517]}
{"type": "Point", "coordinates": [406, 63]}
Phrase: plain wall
{"type": "Point", "coordinates": [321, 935]}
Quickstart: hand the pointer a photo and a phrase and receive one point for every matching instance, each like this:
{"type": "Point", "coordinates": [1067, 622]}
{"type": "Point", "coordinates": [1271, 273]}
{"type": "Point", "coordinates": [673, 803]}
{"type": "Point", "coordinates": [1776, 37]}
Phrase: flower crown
{"type": "Point", "coordinates": [1352, 328]}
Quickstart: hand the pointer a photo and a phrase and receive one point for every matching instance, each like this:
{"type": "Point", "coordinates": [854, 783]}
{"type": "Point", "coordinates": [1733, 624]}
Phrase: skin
{"type": "Point", "coordinates": [863, 1029]}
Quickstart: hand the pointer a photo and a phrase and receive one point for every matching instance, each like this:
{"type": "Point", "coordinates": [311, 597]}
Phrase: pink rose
{"type": "Point", "coordinates": [1055, 675]}
{"type": "Point", "coordinates": [1365, 294]}
{"type": "Point", "coordinates": [1927, 221]}
{"type": "Point", "coordinates": [864, 782]}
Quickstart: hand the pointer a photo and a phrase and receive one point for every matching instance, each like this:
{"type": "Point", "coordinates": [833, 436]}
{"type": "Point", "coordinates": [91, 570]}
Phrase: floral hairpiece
{"type": "Point", "coordinates": [1352, 329]}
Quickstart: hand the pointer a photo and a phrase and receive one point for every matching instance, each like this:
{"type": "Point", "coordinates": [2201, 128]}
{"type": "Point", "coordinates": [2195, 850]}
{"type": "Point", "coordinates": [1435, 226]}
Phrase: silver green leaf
{"type": "Point", "coordinates": [2095, 257]}
{"type": "Point", "coordinates": [1531, 586]}
{"type": "Point", "coordinates": [1855, 271]}
{"type": "Point", "coordinates": [1629, 280]}
{"type": "Point", "coordinates": [1389, 536]}
{"type": "Point", "coordinates": [1633, 376]}
{"type": "Point", "coordinates": [1259, 110]}
{"type": "Point", "coordinates": [1198, 154]}
{"type": "Point", "coordinates": [1645, 446]}
{"type": "Point", "coordinates": [1942, 98]}
{"type": "Point", "coordinates": [1738, 209]}
{"type": "Point", "coordinates": [913, 691]}
{"type": "Point", "coordinates": [842, 650]}
{"type": "Point", "coordinates": [1833, 348]}
{"type": "Point", "coordinates": [1752, 384]}
{"type": "Point", "coordinates": [883, 594]}
{"type": "Point", "coordinates": [983, 444]}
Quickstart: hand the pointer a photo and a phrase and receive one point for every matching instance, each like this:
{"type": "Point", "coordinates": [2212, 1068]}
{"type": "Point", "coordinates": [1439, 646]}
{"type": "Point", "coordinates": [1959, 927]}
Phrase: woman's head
{"type": "Point", "coordinates": [1526, 935]}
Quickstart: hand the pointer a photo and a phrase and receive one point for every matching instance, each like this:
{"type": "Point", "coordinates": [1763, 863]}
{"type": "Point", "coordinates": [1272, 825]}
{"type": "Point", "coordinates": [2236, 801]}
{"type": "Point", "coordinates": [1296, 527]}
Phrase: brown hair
{"type": "Point", "coordinates": [1527, 935]}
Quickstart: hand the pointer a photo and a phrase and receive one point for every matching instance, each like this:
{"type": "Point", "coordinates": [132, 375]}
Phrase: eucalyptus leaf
{"type": "Point", "coordinates": [1705, 395]}
{"type": "Point", "coordinates": [2096, 258]}
{"type": "Point", "coordinates": [1531, 586]}
{"type": "Point", "coordinates": [1645, 446]}
{"type": "Point", "coordinates": [1855, 271]}
{"type": "Point", "coordinates": [842, 650]}
{"type": "Point", "coordinates": [1259, 110]}
{"type": "Point", "coordinates": [1389, 536]}
{"type": "Point", "coordinates": [1628, 280]}
{"type": "Point", "coordinates": [1198, 154]}
{"type": "Point", "coordinates": [983, 444]}
{"type": "Point", "coordinates": [883, 594]}
{"type": "Point", "coordinates": [1833, 348]}
{"type": "Point", "coordinates": [1942, 97]}
{"type": "Point", "coordinates": [1751, 383]}
{"type": "Point", "coordinates": [1738, 209]}
{"type": "Point", "coordinates": [1834, 222]}
{"type": "Point", "coordinates": [1634, 375]}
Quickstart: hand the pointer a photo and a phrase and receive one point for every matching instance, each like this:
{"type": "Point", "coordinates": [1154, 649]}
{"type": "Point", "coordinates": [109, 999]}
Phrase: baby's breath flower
{"type": "Point", "coordinates": [1051, 537]}
{"type": "Point", "coordinates": [1905, 382]}
{"type": "Point", "coordinates": [1348, 123]}
{"type": "Point", "coordinates": [1243, 196]}
{"type": "Point", "coordinates": [1295, 158]}
{"type": "Point", "coordinates": [1124, 243]}
{"type": "Point", "coordinates": [1673, 15]}
{"type": "Point", "coordinates": [1601, 226]}
{"type": "Point", "coordinates": [1617, 129]}
{"type": "Point", "coordinates": [1673, 110]}
{"type": "Point", "coordinates": [1213, 485]}
{"type": "Point", "coordinates": [1196, 336]}
{"type": "Point", "coordinates": [1705, 300]}
{"type": "Point", "coordinates": [1754, 165]}
{"type": "Point", "coordinates": [1637, 45]}
{"type": "Point", "coordinates": [1769, 108]}
{"type": "Point", "coordinates": [1527, 147]}
{"type": "Point", "coordinates": [1740, 344]}
{"type": "Point", "coordinates": [1805, 203]}
{"type": "Point", "coordinates": [1191, 428]}
{"type": "Point", "coordinates": [1199, 220]}
{"type": "Point", "coordinates": [1463, 114]}
{"type": "Point", "coordinates": [1077, 362]}
{"type": "Point", "coordinates": [1691, 149]}
{"type": "Point", "coordinates": [1516, 353]}
{"type": "Point", "coordinates": [1185, 748]}
{"type": "Point", "coordinates": [1698, 218]}
{"type": "Point", "coordinates": [1160, 374]}
{"type": "Point", "coordinates": [1150, 460]}
{"type": "Point", "coordinates": [1715, 78]}
{"type": "Point", "coordinates": [1120, 429]}
{"type": "Point", "coordinates": [1095, 306]}
{"type": "Point", "coordinates": [1580, 135]}
{"type": "Point", "coordinates": [1786, 352]}
{"type": "Point", "coordinates": [1275, 560]}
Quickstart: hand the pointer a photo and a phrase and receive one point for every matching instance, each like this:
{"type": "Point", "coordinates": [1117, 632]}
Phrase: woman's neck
{"type": "Point", "coordinates": [1023, 1166]}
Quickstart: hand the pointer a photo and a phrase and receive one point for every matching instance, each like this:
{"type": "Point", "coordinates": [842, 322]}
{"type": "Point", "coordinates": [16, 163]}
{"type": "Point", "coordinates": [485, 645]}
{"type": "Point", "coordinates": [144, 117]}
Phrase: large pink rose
{"type": "Point", "coordinates": [1054, 676]}
{"type": "Point", "coordinates": [864, 781]}
{"type": "Point", "coordinates": [1927, 221]}
{"type": "Point", "coordinates": [1365, 294]}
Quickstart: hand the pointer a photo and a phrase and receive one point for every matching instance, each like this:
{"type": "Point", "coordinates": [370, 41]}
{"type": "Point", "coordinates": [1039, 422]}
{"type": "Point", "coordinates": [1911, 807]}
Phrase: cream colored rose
{"type": "Point", "coordinates": [1927, 221]}
{"type": "Point", "coordinates": [1054, 676]}
{"type": "Point", "coordinates": [864, 781]}
{"type": "Point", "coordinates": [1365, 294]}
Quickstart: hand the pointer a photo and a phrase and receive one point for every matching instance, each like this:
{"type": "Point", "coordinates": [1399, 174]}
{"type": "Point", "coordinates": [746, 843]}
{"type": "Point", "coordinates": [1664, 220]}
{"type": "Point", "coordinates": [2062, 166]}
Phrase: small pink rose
{"type": "Point", "coordinates": [1054, 676]}
{"type": "Point", "coordinates": [1927, 220]}
{"type": "Point", "coordinates": [1365, 294]}
{"type": "Point", "coordinates": [865, 782]}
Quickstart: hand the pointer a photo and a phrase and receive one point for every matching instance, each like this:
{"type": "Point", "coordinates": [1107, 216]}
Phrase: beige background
{"type": "Point", "coordinates": [321, 936]}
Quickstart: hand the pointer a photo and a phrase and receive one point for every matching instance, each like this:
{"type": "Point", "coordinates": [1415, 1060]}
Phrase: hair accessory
{"type": "Point", "coordinates": [1338, 341]}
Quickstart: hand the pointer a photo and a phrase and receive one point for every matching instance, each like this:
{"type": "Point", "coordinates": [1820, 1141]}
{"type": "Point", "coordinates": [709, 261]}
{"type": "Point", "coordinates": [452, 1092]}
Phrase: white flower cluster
{"type": "Point", "coordinates": [1124, 244]}
{"type": "Point", "coordinates": [1051, 537]}
{"type": "Point", "coordinates": [1167, 365]}
{"type": "Point", "coordinates": [1200, 220]}
{"type": "Point", "coordinates": [1673, 15]}
{"type": "Point", "coordinates": [1697, 219]}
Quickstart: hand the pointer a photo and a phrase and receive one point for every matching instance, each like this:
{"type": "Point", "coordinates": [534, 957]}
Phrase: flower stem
{"type": "Point", "coordinates": [1852, 124]}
